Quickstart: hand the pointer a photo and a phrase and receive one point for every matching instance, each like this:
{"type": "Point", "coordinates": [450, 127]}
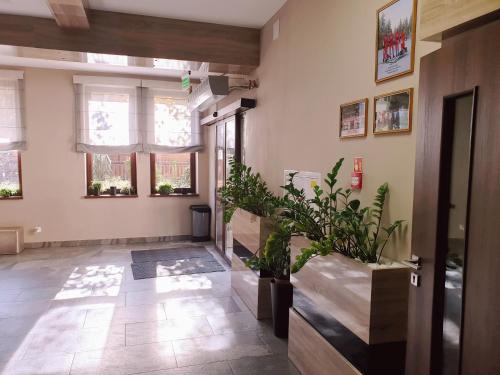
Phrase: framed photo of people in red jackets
{"type": "Point", "coordinates": [395, 43]}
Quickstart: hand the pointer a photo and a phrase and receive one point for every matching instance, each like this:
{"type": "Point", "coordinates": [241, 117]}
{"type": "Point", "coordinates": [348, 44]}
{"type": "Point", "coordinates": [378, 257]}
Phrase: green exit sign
{"type": "Point", "coordinates": [186, 81]}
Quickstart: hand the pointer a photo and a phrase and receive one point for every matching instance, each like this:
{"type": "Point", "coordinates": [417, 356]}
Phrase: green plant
{"type": "Point", "coordinates": [125, 190]}
{"type": "Point", "coordinates": [318, 217]}
{"type": "Point", "coordinates": [275, 256]}
{"type": "Point", "coordinates": [165, 189]}
{"type": "Point", "coordinates": [248, 191]}
{"type": "Point", "coordinates": [96, 187]}
{"type": "Point", "coordinates": [6, 193]}
{"type": "Point", "coordinates": [358, 234]}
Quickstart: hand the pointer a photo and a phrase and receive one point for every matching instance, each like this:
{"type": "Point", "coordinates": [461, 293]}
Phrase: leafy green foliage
{"type": "Point", "coordinates": [165, 189]}
{"type": "Point", "coordinates": [275, 256]}
{"type": "Point", "coordinates": [337, 223]}
{"type": "Point", "coordinates": [96, 187]}
{"type": "Point", "coordinates": [6, 193]}
{"type": "Point", "coordinates": [315, 218]}
{"type": "Point", "coordinates": [246, 190]}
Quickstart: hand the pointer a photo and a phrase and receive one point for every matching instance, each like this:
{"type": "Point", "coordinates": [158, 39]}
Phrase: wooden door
{"type": "Point", "coordinates": [458, 83]}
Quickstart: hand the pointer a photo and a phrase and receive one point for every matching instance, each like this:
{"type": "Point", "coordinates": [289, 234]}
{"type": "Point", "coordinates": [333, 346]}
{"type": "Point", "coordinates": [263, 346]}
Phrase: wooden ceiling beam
{"type": "Point", "coordinates": [69, 14]}
{"type": "Point", "coordinates": [140, 36]}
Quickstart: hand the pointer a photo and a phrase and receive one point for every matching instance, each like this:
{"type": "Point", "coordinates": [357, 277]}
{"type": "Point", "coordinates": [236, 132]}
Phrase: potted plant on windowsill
{"type": "Point", "coordinates": [165, 189]}
{"type": "Point", "coordinates": [96, 188]}
{"type": "Point", "coordinates": [340, 266]}
{"type": "Point", "coordinates": [275, 258]}
{"type": "Point", "coordinates": [9, 193]}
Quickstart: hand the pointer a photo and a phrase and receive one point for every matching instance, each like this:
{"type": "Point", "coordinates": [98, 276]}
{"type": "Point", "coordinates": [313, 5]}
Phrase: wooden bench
{"type": "Point", "coordinates": [11, 240]}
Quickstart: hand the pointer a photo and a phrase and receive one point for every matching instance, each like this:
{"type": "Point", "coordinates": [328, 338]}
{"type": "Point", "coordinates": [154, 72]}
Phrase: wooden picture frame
{"type": "Point", "coordinates": [393, 57]}
{"type": "Point", "coordinates": [388, 120]}
{"type": "Point", "coordinates": [351, 131]}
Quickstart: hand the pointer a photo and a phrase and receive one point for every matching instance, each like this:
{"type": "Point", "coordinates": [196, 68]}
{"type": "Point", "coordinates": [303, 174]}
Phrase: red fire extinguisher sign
{"type": "Point", "coordinates": [357, 174]}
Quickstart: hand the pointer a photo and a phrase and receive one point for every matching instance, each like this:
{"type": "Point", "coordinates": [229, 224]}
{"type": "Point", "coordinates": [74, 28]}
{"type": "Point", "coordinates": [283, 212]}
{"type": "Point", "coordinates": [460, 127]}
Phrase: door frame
{"type": "Point", "coordinates": [238, 124]}
{"type": "Point", "coordinates": [446, 74]}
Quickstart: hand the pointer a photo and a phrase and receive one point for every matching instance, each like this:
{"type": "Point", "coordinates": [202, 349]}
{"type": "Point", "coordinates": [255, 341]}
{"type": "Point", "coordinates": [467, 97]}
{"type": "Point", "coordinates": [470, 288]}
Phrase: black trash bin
{"type": "Point", "coordinates": [200, 217]}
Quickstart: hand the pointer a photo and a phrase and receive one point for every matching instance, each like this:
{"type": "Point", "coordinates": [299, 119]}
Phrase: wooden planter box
{"type": "Point", "coordinates": [254, 291]}
{"type": "Point", "coordinates": [251, 232]}
{"type": "Point", "coordinates": [370, 300]}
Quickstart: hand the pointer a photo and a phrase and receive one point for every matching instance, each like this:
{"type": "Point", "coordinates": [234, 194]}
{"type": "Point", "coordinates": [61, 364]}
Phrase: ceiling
{"type": "Point", "coordinates": [247, 13]}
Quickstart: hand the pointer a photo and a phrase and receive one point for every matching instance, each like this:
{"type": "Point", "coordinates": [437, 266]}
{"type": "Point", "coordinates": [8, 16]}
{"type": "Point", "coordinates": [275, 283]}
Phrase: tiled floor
{"type": "Point", "coordinates": [79, 311]}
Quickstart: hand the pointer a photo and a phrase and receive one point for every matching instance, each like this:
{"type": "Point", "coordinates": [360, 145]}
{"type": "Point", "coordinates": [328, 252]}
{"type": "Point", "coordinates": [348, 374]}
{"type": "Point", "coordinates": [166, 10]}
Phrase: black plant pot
{"type": "Point", "coordinates": [281, 300]}
{"type": "Point", "coordinates": [112, 190]}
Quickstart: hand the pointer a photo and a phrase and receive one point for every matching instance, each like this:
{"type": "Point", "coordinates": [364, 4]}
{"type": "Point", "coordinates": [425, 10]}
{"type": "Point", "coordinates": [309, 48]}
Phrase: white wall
{"type": "Point", "coordinates": [54, 179]}
{"type": "Point", "coordinates": [323, 58]}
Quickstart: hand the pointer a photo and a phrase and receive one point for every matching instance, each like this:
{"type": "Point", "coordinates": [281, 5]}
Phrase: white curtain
{"type": "Point", "coordinates": [107, 115]}
{"type": "Point", "coordinates": [12, 128]}
{"type": "Point", "coordinates": [115, 115]}
{"type": "Point", "coordinates": [170, 127]}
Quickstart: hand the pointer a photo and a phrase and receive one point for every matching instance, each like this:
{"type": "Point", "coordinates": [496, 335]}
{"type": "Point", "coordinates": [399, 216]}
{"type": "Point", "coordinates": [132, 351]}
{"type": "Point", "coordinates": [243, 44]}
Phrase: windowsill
{"type": "Point", "coordinates": [11, 198]}
{"type": "Point", "coordinates": [106, 196]}
{"type": "Point", "coordinates": [173, 195]}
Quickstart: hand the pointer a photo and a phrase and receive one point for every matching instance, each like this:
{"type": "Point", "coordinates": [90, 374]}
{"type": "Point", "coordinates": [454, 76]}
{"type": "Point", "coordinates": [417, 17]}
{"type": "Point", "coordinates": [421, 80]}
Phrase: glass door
{"type": "Point", "coordinates": [228, 147]}
{"type": "Point", "coordinates": [230, 155]}
{"type": "Point", "coordinates": [220, 147]}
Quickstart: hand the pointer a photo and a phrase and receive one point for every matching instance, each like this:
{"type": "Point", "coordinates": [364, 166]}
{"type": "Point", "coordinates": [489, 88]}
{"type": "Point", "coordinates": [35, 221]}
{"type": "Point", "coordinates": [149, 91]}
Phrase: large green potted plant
{"type": "Point", "coordinates": [275, 258]}
{"type": "Point", "coordinates": [339, 262]}
{"type": "Point", "coordinates": [248, 206]}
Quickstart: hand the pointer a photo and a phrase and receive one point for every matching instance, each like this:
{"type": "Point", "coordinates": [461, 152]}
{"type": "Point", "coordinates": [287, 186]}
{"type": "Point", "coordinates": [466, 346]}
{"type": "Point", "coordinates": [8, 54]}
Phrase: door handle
{"type": "Point", "coordinates": [414, 262]}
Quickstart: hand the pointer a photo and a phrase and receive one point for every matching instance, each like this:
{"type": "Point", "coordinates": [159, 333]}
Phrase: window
{"type": "Point", "coordinates": [176, 170]}
{"type": "Point", "coordinates": [107, 131]}
{"type": "Point", "coordinates": [12, 133]}
{"type": "Point", "coordinates": [107, 116]}
{"type": "Point", "coordinates": [170, 127]}
{"type": "Point", "coordinates": [111, 175]}
{"type": "Point", "coordinates": [10, 175]}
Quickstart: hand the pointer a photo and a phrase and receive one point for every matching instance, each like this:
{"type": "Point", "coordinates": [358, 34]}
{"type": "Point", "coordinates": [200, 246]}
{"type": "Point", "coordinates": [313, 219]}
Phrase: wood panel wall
{"type": "Point", "coordinates": [438, 16]}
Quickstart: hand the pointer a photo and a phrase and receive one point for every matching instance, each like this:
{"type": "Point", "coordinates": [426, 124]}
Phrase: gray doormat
{"type": "Point", "coordinates": [140, 256]}
{"type": "Point", "coordinates": [173, 262]}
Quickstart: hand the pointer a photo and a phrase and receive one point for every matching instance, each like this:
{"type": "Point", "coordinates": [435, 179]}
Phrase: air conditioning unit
{"type": "Point", "coordinates": [208, 92]}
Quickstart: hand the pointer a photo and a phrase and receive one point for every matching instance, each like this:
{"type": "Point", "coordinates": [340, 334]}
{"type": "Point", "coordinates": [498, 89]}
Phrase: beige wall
{"type": "Point", "coordinates": [54, 178]}
{"type": "Point", "coordinates": [323, 58]}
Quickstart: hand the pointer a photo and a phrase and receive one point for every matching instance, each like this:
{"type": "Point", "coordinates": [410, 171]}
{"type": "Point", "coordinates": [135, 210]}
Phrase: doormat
{"type": "Point", "coordinates": [149, 264]}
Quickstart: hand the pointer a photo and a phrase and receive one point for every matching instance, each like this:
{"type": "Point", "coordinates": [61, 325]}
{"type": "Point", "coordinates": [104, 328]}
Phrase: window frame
{"type": "Point", "coordinates": [191, 191]}
{"type": "Point", "coordinates": [20, 174]}
{"type": "Point", "coordinates": [133, 178]}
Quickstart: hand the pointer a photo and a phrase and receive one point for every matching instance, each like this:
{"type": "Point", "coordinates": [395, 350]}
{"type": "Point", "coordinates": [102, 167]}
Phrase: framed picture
{"type": "Point", "coordinates": [393, 112]}
{"type": "Point", "coordinates": [395, 43]}
{"type": "Point", "coordinates": [353, 119]}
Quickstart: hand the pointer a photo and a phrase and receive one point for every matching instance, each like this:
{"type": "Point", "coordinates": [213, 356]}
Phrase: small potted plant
{"type": "Point", "coordinates": [275, 257]}
{"type": "Point", "coordinates": [5, 193]}
{"type": "Point", "coordinates": [165, 189]}
{"type": "Point", "coordinates": [96, 188]}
